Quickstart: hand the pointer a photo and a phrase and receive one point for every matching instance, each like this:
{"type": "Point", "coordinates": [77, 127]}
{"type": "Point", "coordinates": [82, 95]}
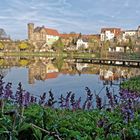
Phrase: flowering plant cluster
{"type": "Point", "coordinates": [25, 116]}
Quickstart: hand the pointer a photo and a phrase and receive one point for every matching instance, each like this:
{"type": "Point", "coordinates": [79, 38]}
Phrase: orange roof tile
{"type": "Point", "coordinates": [116, 31]}
{"type": "Point", "coordinates": [68, 35]}
{"type": "Point", "coordinates": [52, 32]}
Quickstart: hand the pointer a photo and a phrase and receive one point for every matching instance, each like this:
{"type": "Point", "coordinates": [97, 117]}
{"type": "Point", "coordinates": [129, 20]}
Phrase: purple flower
{"type": "Point", "coordinates": [98, 102]}
{"type": "Point", "coordinates": [26, 98]}
{"type": "Point", "coordinates": [8, 92]}
{"type": "Point", "coordinates": [110, 97]}
{"type": "Point", "coordinates": [33, 99]}
{"type": "Point", "coordinates": [67, 100]}
{"type": "Point", "coordinates": [78, 103]}
{"type": "Point", "coordinates": [42, 98]}
{"type": "Point", "coordinates": [1, 85]}
{"type": "Point", "coordinates": [51, 101]}
{"type": "Point", "coordinates": [62, 100]}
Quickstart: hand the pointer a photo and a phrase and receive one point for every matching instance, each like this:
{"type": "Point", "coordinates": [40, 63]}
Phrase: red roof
{"type": "Point", "coordinates": [52, 32]}
{"type": "Point", "coordinates": [116, 31]}
{"type": "Point", "coordinates": [68, 35]}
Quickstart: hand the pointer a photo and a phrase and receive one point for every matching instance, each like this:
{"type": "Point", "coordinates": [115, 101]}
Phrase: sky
{"type": "Point", "coordinates": [81, 16]}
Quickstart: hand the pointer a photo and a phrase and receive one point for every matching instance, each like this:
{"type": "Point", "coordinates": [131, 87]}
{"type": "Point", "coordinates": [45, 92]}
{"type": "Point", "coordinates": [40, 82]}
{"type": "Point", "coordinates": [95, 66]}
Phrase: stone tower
{"type": "Point", "coordinates": [30, 31]}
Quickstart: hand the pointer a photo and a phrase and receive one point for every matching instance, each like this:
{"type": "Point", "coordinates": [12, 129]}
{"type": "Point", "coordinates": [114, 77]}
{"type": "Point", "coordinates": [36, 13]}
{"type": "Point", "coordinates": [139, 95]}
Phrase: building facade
{"type": "Point", "coordinates": [42, 34]}
{"type": "Point", "coordinates": [82, 43]}
{"type": "Point", "coordinates": [110, 33]}
{"type": "Point", "coordinates": [128, 33]}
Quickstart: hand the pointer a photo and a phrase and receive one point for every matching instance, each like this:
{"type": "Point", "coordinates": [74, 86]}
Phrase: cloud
{"type": "Point", "coordinates": [85, 16]}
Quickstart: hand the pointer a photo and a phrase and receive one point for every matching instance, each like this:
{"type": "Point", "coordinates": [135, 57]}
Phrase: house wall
{"type": "Point", "coordinates": [50, 39]}
{"type": "Point", "coordinates": [109, 33]}
{"type": "Point", "coordinates": [119, 49]}
{"type": "Point", "coordinates": [107, 36]}
{"type": "Point", "coordinates": [81, 43]}
{"type": "Point", "coordinates": [129, 34]}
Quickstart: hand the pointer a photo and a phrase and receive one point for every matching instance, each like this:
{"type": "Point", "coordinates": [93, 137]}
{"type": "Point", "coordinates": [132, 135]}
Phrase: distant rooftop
{"type": "Point", "coordinates": [48, 30]}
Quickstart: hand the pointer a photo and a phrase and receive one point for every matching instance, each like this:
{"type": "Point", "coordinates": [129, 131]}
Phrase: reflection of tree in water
{"type": "Point", "coordinates": [4, 71]}
{"type": "Point", "coordinates": [58, 62]}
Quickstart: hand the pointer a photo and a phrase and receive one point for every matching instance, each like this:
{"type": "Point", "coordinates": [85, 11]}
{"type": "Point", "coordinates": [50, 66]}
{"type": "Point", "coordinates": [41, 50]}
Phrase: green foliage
{"type": "Point", "coordinates": [59, 61]}
{"type": "Point", "coordinates": [23, 46]}
{"type": "Point", "coordinates": [40, 123]}
{"type": "Point", "coordinates": [1, 46]}
{"type": "Point", "coordinates": [23, 62]}
{"type": "Point", "coordinates": [58, 45]}
{"type": "Point", "coordinates": [132, 84]}
{"type": "Point", "coordinates": [2, 61]}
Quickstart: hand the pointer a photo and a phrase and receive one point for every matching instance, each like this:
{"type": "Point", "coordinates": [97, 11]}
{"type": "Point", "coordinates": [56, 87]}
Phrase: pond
{"type": "Point", "coordinates": [41, 74]}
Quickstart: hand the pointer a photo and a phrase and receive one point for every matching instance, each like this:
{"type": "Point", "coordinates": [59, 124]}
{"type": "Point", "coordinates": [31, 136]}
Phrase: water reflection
{"type": "Point", "coordinates": [40, 74]}
{"type": "Point", "coordinates": [42, 68]}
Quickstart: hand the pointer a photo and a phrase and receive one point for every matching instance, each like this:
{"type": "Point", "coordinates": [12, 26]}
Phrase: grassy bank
{"type": "Point", "coordinates": [49, 54]}
{"type": "Point", "coordinates": [36, 54]}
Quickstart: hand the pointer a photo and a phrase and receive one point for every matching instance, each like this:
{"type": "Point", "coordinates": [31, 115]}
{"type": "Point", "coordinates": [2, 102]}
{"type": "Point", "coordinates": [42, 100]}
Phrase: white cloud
{"type": "Point", "coordinates": [68, 15]}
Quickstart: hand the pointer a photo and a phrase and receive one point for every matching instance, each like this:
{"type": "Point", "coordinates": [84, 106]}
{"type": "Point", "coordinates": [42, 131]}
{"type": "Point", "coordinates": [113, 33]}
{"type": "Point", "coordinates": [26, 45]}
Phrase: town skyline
{"type": "Point", "coordinates": [83, 16]}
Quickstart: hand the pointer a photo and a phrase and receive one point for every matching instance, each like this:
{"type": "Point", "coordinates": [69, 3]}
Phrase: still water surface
{"type": "Point", "coordinates": [39, 75]}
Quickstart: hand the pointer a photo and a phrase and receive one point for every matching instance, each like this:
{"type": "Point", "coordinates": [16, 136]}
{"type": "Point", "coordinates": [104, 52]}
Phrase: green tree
{"type": "Point", "coordinates": [131, 44]}
{"type": "Point", "coordinates": [59, 62]}
{"type": "Point", "coordinates": [23, 46]}
{"type": "Point", "coordinates": [93, 45]}
{"type": "Point", "coordinates": [58, 45]}
{"type": "Point", "coordinates": [105, 48]}
{"type": "Point", "coordinates": [1, 46]}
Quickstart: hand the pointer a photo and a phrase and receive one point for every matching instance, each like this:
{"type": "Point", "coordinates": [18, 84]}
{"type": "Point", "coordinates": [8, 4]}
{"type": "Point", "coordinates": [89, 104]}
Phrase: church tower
{"type": "Point", "coordinates": [138, 31]}
{"type": "Point", "coordinates": [30, 31]}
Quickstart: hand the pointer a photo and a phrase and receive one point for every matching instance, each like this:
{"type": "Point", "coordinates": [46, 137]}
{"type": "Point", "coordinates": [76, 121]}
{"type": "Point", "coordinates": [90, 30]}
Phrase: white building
{"type": "Point", "coordinates": [116, 49]}
{"type": "Point", "coordinates": [109, 33]}
{"type": "Point", "coordinates": [129, 33]}
{"type": "Point", "coordinates": [82, 43]}
{"type": "Point", "coordinates": [81, 66]}
{"type": "Point", "coordinates": [51, 36]}
{"type": "Point", "coordinates": [107, 36]}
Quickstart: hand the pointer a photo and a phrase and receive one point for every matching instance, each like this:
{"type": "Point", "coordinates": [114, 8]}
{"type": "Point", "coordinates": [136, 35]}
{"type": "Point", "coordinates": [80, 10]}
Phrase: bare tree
{"type": "Point", "coordinates": [2, 33]}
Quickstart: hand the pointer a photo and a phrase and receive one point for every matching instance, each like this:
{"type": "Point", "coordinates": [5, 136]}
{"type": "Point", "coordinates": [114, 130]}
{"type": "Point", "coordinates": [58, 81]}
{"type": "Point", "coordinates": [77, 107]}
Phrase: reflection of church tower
{"type": "Point", "coordinates": [31, 75]}
{"type": "Point", "coordinates": [30, 31]}
{"type": "Point", "coordinates": [36, 71]}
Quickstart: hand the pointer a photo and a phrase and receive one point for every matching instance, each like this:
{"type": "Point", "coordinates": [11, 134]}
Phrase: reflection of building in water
{"type": "Point", "coordinates": [108, 75]}
{"type": "Point", "coordinates": [111, 74]}
{"type": "Point", "coordinates": [114, 73]}
{"type": "Point", "coordinates": [51, 71]}
{"type": "Point", "coordinates": [37, 71]}
{"type": "Point", "coordinates": [41, 71]}
{"type": "Point", "coordinates": [81, 66]}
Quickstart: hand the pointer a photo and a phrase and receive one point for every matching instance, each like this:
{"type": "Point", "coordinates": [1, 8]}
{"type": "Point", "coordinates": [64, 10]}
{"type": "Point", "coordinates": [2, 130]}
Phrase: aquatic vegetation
{"type": "Point", "coordinates": [25, 116]}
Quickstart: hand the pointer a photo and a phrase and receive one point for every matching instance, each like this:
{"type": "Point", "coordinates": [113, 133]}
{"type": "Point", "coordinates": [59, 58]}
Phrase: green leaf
{"type": "Point", "coordinates": [25, 126]}
{"type": "Point", "coordinates": [74, 134]}
{"type": "Point", "coordinates": [37, 134]}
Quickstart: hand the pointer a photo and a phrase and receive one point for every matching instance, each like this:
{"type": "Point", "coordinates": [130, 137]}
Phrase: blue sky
{"type": "Point", "coordinates": [85, 16]}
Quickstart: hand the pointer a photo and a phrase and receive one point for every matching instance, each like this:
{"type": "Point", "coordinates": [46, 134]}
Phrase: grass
{"type": "Point", "coordinates": [49, 54]}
